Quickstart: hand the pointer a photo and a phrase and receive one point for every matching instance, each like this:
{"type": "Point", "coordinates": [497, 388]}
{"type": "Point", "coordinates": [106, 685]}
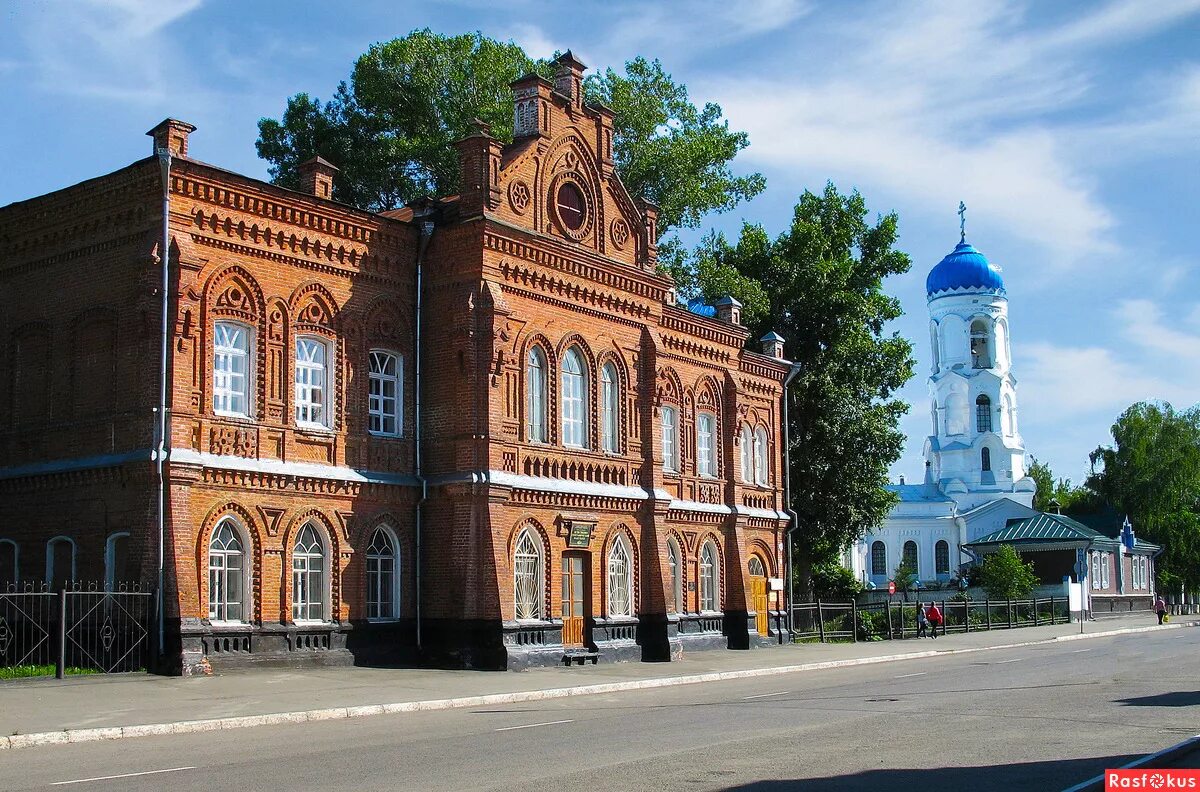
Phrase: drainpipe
{"type": "Point", "coordinates": [426, 234]}
{"type": "Point", "coordinates": [793, 518]}
{"type": "Point", "coordinates": [164, 162]}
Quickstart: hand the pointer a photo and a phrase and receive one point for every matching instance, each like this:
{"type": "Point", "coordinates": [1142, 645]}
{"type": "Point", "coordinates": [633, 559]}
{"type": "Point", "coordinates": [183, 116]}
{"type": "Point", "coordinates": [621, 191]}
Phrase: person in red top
{"type": "Point", "coordinates": [1160, 608]}
{"type": "Point", "coordinates": [935, 618]}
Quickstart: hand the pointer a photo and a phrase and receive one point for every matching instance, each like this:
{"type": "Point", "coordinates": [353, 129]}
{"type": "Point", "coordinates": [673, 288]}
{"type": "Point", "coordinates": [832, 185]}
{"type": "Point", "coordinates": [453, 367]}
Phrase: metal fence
{"type": "Point", "coordinates": [83, 629]}
{"type": "Point", "coordinates": [874, 621]}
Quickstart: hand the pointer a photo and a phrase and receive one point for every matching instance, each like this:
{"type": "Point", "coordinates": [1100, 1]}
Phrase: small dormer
{"type": "Point", "coordinates": [729, 310]}
{"type": "Point", "coordinates": [772, 345]}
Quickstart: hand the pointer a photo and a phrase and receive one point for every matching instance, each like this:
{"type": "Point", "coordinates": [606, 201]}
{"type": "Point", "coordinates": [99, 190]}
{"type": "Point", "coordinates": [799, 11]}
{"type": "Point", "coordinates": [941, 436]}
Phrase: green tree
{"type": "Point", "coordinates": [1005, 576]}
{"type": "Point", "coordinates": [905, 578]}
{"type": "Point", "coordinates": [832, 581]}
{"type": "Point", "coordinates": [1070, 498]}
{"type": "Point", "coordinates": [391, 129]}
{"type": "Point", "coordinates": [1151, 472]}
{"type": "Point", "coordinates": [820, 285]}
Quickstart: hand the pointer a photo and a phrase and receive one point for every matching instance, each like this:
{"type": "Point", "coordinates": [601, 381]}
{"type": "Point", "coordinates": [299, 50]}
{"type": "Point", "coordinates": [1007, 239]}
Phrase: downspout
{"type": "Point", "coordinates": [426, 234]}
{"type": "Point", "coordinates": [164, 161]}
{"type": "Point", "coordinates": [793, 518]}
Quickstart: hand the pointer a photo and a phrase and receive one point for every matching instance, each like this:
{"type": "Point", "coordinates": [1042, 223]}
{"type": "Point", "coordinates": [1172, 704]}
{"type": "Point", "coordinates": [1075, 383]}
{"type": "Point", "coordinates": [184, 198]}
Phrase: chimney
{"type": "Point", "coordinates": [479, 164]}
{"type": "Point", "coordinates": [531, 106]}
{"type": "Point", "coordinates": [316, 177]}
{"type": "Point", "coordinates": [772, 345]}
{"type": "Point", "coordinates": [172, 134]}
{"type": "Point", "coordinates": [649, 257]}
{"type": "Point", "coordinates": [568, 78]}
{"type": "Point", "coordinates": [604, 138]}
{"type": "Point", "coordinates": [729, 310]}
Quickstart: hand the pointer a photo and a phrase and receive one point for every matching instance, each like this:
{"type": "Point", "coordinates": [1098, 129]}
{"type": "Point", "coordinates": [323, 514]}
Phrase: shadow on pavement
{"type": "Point", "coordinates": [1045, 776]}
{"type": "Point", "coordinates": [1181, 698]}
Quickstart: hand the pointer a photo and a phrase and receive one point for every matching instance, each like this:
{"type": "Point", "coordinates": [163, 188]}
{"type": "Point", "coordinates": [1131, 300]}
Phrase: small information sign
{"type": "Point", "coordinates": [579, 534]}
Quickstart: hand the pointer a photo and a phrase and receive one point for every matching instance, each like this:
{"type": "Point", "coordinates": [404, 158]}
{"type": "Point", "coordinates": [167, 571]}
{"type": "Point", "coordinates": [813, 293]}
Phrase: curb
{"type": "Point", "coordinates": [1149, 761]}
{"type": "Point", "coordinates": [67, 736]}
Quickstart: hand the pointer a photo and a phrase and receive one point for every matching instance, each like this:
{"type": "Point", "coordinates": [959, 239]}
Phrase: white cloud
{"type": "Point", "coordinates": [532, 39]}
{"type": "Point", "coordinates": [1145, 325]}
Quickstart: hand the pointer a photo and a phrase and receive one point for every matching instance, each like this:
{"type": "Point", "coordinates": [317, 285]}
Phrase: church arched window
{"type": "Point", "coordinates": [909, 557]}
{"type": "Point", "coordinates": [981, 356]}
{"type": "Point", "coordinates": [878, 559]}
{"type": "Point", "coordinates": [985, 459]}
{"type": "Point", "coordinates": [983, 414]}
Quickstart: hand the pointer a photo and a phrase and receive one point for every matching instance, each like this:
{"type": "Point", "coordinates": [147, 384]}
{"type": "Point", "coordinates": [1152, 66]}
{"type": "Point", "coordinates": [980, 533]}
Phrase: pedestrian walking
{"type": "Point", "coordinates": [1160, 607]}
{"type": "Point", "coordinates": [922, 621]}
{"type": "Point", "coordinates": [935, 618]}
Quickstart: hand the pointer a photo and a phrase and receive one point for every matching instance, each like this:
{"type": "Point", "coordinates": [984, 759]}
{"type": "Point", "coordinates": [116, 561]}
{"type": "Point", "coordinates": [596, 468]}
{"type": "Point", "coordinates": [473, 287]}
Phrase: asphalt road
{"type": "Point", "coordinates": [1041, 717]}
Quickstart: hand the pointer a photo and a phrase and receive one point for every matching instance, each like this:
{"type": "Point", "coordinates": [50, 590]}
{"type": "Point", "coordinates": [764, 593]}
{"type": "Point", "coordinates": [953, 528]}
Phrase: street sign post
{"type": "Point", "coordinates": [891, 587]}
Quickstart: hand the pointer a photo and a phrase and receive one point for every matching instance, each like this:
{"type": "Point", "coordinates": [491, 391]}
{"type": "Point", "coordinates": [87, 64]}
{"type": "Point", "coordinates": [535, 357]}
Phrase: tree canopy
{"type": "Point", "coordinates": [820, 284]}
{"type": "Point", "coordinates": [1005, 576]}
{"type": "Point", "coordinates": [1070, 498]}
{"type": "Point", "coordinates": [391, 128]}
{"type": "Point", "coordinates": [1151, 472]}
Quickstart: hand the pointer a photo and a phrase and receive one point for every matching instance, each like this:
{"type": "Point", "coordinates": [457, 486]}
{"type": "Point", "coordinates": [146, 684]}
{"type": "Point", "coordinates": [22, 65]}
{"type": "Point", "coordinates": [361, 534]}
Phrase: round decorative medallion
{"type": "Point", "coordinates": [518, 196]}
{"type": "Point", "coordinates": [569, 203]}
{"type": "Point", "coordinates": [571, 206]}
{"type": "Point", "coordinates": [619, 231]}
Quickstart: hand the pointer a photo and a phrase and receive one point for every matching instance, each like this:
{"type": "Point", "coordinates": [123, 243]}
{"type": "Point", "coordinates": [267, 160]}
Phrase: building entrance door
{"type": "Point", "coordinates": [575, 599]}
{"type": "Point", "coordinates": [758, 594]}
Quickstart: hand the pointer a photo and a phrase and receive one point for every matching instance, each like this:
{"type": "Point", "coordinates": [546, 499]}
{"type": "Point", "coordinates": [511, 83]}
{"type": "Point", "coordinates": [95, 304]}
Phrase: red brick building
{"type": "Point", "coordinates": [588, 467]}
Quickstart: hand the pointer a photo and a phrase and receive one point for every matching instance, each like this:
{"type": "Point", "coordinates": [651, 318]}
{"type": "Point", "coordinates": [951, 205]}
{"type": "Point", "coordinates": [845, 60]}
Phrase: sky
{"type": "Point", "coordinates": [1071, 130]}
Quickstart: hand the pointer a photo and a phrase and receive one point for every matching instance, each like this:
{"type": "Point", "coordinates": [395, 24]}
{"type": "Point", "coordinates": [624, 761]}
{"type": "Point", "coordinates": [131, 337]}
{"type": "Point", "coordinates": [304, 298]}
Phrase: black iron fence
{"type": "Point", "coordinates": [875, 621]}
{"type": "Point", "coordinates": [78, 630]}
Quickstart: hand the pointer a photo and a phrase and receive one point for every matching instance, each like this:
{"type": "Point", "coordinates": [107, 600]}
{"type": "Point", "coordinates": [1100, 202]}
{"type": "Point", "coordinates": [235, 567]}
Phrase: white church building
{"type": "Point", "coordinates": [975, 480]}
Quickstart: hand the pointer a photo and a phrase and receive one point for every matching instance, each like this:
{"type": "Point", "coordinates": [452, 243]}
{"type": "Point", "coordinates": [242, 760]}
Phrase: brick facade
{"type": "Point", "coordinates": [543, 250]}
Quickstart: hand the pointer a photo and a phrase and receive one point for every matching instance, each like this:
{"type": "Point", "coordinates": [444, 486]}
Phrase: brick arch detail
{"type": "Point", "coordinates": [590, 386]}
{"type": "Point", "coordinates": [253, 531]}
{"type": "Point", "coordinates": [541, 341]}
{"type": "Point", "coordinates": [624, 414]}
{"type": "Point", "coordinates": [673, 533]}
{"type": "Point", "coordinates": [335, 566]}
{"type": "Point", "coordinates": [532, 523]}
{"type": "Point", "coordinates": [722, 573]}
{"type": "Point", "coordinates": [759, 548]}
{"type": "Point", "coordinates": [617, 530]}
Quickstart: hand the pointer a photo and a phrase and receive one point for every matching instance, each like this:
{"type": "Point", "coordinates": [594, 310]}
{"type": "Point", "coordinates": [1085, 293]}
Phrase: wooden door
{"type": "Point", "coordinates": [574, 598]}
{"type": "Point", "coordinates": [758, 595]}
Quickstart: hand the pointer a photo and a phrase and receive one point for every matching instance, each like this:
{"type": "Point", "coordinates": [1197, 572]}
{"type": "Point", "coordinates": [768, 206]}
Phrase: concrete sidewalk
{"type": "Point", "coordinates": [94, 707]}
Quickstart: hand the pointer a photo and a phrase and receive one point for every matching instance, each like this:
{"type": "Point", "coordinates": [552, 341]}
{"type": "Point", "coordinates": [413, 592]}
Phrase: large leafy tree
{"type": "Point", "coordinates": [391, 128]}
{"type": "Point", "coordinates": [1152, 473]}
{"type": "Point", "coordinates": [1005, 576]}
{"type": "Point", "coordinates": [820, 284]}
{"type": "Point", "coordinates": [1061, 491]}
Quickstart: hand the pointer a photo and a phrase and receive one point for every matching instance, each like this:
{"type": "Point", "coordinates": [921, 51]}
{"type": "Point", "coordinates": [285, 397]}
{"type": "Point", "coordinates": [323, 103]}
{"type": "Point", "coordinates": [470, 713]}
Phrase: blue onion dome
{"type": "Point", "coordinates": [965, 269]}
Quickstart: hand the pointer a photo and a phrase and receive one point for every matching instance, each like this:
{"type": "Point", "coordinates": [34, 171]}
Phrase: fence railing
{"type": "Point", "coordinates": [82, 629]}
{"type": "Point", "coordinates": [873, 621]}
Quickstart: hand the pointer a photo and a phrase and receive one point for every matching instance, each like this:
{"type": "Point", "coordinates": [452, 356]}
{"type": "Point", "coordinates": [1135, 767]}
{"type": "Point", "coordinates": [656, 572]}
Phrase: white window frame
{"type": "Point", "coordinates": [225, 394]}
{"type": "Point", "coordinates": [529, 564]}
{"type": "Point", "coordinates": [376, 584]}
{"type": "Point", "coordinates": [223, 602]}
{"type": "Point", "coordinates": [110, 552]}
{"type": "Point", "coordinates": [1096, 570]}
{"type": "Point", "coordinates": [761, 457]}
{"type": "Point", "coordinates": [756, 561]}
{"type": "Point", "coordinates": [710, 579]}
{"type": "Point", "coordinates": [1104, 570]}
{"type": "Point", "coordinates": [536, 378]}
{"type": "Point", "coordinates": [305, 579]}
{"type": "Point", "coordinates": [50, 558]}
{"type": "Point", "coordinates": [378, 381]}
{"type": "Point", "coordinates": [747, 454]}
{"type": "Point", "coordinates": [610, 409]}
{"type": "Point", "coordinates": [669, 417]}
{"type": "Point", "coordinates": [620, 579]}
{"type": "Point", "coordinates": [16, 567]}
{"type": "Point", "coordinates": [574, 399]}
{"type": "Point", "coordinates": [313, 395]}
{"type": "Point", "coordinates": [675, 569]}
{"type": "Point", "coordinates": [706, 445]}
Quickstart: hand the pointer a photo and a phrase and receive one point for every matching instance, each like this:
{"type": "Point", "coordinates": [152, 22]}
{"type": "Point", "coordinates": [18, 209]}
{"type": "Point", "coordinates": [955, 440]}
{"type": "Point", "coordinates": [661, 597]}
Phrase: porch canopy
{"type": "Point", "coordinates": [1050, 541]}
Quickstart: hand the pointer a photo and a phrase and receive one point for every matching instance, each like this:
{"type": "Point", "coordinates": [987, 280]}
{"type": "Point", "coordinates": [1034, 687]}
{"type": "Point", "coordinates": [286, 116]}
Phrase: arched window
{"type": "Point", "coordinates": [910, 556]}
{"type": "Point", "coordinates": [706, 446]}
{"type": "Point", "coordinates": [620, 579]}
{"type": "Point", "coordinates": [231, 369]}
{"type": "Point", "coordinates": [983, 414]}
{"type": "Point", "coordinates": [710, 576]}
{"type": "Point", "coordinates": [574, 423]}
{"type": "Point", "coordinates": [116, 561]}
{"type": "Point", "coordinates": [878, 559]}
{"type": "Point", "coordinates": [383, 590]}
{"type": "Point", "coordinates": [1105, 565]}
{"type": "Point", "coordinates": [760, 456]}
{"type": "Point", "coordinates": [528, 576]}
{"type": "Point", "coordinates": [985, 459]}
{"type": "Point", "coordinates": [670, 440]}
{"type": "Point", "coordinates": [10, 570]}
{"type": "Point", "coordinates": [386, 394]}
{"type": "Point", "coordinates": [226, 574]}
{"type": "Point", "coordinates": [1095, 570]}
{"type": "Point", "coordinates": [941, 557]}
{"type": "Point", "coordinates": [60, 562]}
{"type": "Point", "coordinates": [610, 408]}
{"type": "Point", "coordinates": [535, 396]}
{"type": "Point", "coordinates": [673, 562]}
{"type": "Point", "coordinates": [981, 356]}
{"type": "Point", "coordinates": [310, 584]}
{"type": "Point", "coordinates": [755, 567]}
{"type": "Point", "coordinates": [312, 378]}
{"type": "Point", "coordinates": [747, 445]}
